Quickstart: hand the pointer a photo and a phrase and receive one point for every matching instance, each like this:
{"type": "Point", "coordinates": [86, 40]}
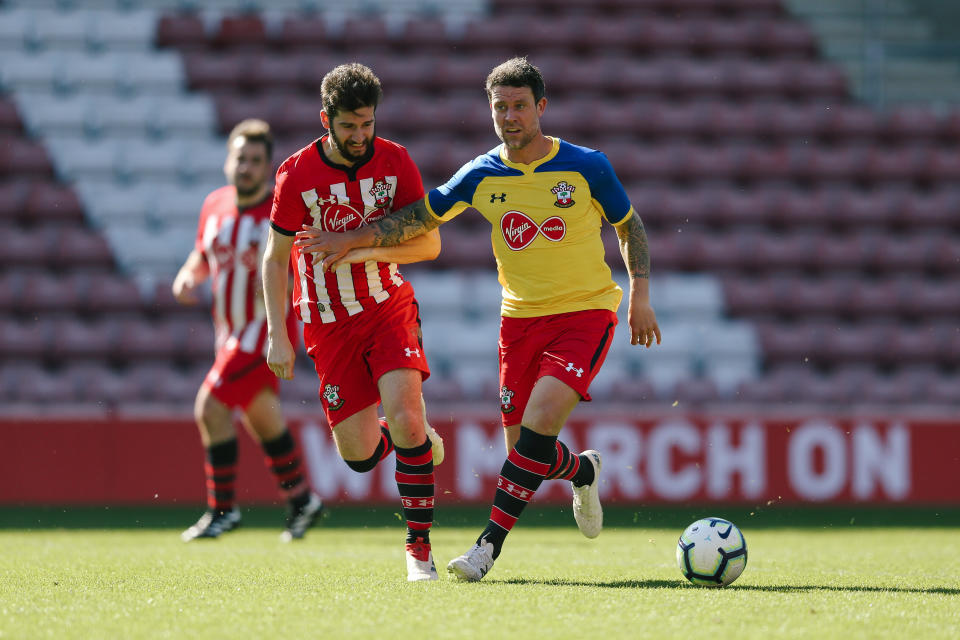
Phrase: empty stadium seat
{"type": "Point", "coordinates": [904, 387]}
{"type": "Point", "coordinates": [923, 344]}
{"type": "Point", "coordinates": [749, 297]}
{"type": "Point", "coordinates": [790, 342]}
{"type": "Point", "coordinates": [934, 210]}
{"type": "Point", "coordinates": [182, 30]}
{"type": "Point", "coordinates": [10, 123]}
{"type": "Point", "coordinates": [860, 343]}
{"type": "Point", "coordinates": [139, 340]}
{"type": "Point", "coordinates": [49, 202]}
{"type": "Point", "coordinates": [850, 122]}
{"type": "Point", "coordinates": [870, 299]}
{"type": "Point", "coordinates": [943, 390]}
{"type": "Point", "coordinates": [21, 247]}
{"type": "Point", "coordinates": [101, 384]}
{"type": "Point", "coordinates": [799, 297]}
{"type": "Point", "coordinates": [108, 293]}
{"type": "Point", "coordinates": [27, 340]}
{"type": "Point", "coordinates": [199, 339]}
{"type": "Point", "coordinates": [25, 158]}
{"type": "Point", "coordinates": [46, 292]}
{"type": "Point", "coordinates": [77, 340]}
{"type": "Point", "coordinates": [82, 247]}
{"type": "Point", "coordinates": [693, 391]}
{"type": "Point", "coordinates": [912, 125]}
{"type": "Point", "coordinates": [477, 379]}
{"type": "Point", "coordinates": [833, 226]}
{"type": "Point", "coordinates": [246, 31]}
{"type": "Point", "coordinates": [44, 387]}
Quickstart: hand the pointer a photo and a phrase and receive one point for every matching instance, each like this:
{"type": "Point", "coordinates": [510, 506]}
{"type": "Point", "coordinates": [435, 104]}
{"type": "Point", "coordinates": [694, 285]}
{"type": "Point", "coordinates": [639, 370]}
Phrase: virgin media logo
{"type": "Point", "coordinates": [340, 217]}
{"type": "Point", "coordinates": [519, 230]}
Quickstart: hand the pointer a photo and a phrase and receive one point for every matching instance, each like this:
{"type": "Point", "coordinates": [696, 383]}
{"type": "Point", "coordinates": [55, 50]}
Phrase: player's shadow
{"type": "Point", "coordinates": [781, 588]}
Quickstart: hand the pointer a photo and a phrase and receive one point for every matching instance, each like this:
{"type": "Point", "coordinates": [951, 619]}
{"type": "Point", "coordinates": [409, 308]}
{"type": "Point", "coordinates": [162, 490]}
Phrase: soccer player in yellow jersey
{"type": "Point", "coordinates": [546, 199]}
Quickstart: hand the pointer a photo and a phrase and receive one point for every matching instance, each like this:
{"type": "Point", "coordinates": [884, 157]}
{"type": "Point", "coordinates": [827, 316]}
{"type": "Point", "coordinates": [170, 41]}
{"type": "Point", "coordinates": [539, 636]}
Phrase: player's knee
{"type": "Point", "coordinates": [363, 466]}
{"type": "Point", "coordinates": [213, 418]}
{"type": "Point", "coordinates": [203, 410]}
{"type": "Point", "coordinates": [406, 427]}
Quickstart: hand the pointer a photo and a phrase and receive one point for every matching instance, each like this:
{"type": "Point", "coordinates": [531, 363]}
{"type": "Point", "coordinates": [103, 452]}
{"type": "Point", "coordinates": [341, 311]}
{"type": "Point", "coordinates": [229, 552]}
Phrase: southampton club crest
{"type": "Point", "coordinates": [564, 192]}
{"type": "Point", "coordinates": [381, 193]}
{"type": "Point", "coordinates": [331, 393]}
{"type": "Point", "coordinates": [506, 400]}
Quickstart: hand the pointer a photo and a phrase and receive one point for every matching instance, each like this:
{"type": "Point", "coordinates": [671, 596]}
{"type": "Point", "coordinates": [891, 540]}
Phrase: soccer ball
{"type": "Point", "coordinates": [712, 552]}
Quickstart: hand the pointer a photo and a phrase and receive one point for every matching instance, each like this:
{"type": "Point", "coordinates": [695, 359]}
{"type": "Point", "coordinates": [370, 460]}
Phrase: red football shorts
{"type": "Point", "coordinates": [237, 377]}
{"type": "Point", "coordinates": [568, 346]}
{"type": "Point", "coordinates": [350, 355]}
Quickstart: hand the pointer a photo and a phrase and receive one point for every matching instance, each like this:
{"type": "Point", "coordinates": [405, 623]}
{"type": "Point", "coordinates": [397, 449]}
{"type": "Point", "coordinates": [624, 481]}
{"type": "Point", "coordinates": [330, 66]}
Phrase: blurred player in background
{"type": "Point", "coordinates": [361, 322]}
{"type": "Point", "coordinates": [230, 239]}
{"type": "Point", "coordinates": [546, 200]}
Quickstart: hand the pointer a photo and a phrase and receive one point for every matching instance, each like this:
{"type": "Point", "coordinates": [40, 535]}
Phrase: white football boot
{"type": "Point", "coordinates": [212, 523]}
{"type": "Point", "coordinates": [436, 442]}
{"type": "Point", "coordinates": [474, 564]}
{"type": "Point", "coordinates": [586, 500]}
{"type": "Point", "coordinates": [299, 520]}
{"type": "Point", "coordinates": [420, 564]}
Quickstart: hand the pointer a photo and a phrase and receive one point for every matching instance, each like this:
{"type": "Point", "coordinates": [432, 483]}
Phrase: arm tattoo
{"type": "Point", "coordinates": [411, 221]}
{"type": "Point", "coordinates": [634, 248]}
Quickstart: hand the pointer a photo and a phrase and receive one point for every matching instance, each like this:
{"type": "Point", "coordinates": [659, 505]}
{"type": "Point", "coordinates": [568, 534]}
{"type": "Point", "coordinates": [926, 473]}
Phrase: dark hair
{"type": "Point", "coordinates": [350, 87]}
{"type": "Point", "coordinates": [253, 130]}
{"type": "Point", "coordinates": [516, 72]}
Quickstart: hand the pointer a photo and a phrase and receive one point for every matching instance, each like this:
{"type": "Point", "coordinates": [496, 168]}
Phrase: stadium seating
{"type": "Point", "coordinates": [806, 248]}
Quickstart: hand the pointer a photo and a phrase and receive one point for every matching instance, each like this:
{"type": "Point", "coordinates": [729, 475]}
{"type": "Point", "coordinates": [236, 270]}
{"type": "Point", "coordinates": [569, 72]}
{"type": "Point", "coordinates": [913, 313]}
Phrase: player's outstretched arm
{"type": "Point", "coordinates": [401, 225]}
{"type": "Point", "coordinates": [276, 260]}
{"type": "Point", "coordinates": [416, 249]}
{"type": "Point", "coordinates": [191, 275]}
{"type": "Point", "coordinates": [636, 255]}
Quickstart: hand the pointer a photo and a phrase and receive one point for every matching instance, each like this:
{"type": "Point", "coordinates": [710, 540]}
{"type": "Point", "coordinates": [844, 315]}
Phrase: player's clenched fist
{"type": "Point", "coordinates": [280, 357]}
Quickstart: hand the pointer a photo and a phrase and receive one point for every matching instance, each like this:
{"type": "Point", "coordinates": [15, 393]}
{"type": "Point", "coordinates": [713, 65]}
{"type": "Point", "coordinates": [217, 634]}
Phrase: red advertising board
{"type": "Point", "coordinates": [665, 459]}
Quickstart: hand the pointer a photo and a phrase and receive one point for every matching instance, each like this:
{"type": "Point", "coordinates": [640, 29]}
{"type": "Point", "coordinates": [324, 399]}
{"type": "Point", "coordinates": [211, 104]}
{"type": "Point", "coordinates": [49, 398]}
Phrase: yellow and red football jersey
{"type": "Point", "coordinates": [546, 219]}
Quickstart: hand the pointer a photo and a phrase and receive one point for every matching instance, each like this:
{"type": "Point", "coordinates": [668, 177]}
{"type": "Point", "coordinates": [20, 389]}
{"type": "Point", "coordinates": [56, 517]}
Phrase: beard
{"type": "Point", "coordinates": [349, 155]}
{"type": "Point", "coordinates": [519, 141]}
{"type": "Point", "coordinates": [246, 192]}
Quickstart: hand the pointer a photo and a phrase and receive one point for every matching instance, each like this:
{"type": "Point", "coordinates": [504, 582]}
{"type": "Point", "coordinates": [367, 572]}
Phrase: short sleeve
{"type": "Point", "coordinates": [450, 199]}
{"type": "Point", "coordinates": [286, 215]}
{"type": "Point", "coordinates": [409, 183]}
{"type": "Point", "coordinates": [606, 188]}
{"type": "Point", "coordinates": [202, 223]}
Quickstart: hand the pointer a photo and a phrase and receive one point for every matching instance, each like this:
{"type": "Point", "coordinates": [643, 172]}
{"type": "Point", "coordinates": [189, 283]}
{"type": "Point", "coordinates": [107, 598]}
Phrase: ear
{"type": "Point", "coordinates": [324, 119]}
{"type": "Point", "coordinates": [541, 105]}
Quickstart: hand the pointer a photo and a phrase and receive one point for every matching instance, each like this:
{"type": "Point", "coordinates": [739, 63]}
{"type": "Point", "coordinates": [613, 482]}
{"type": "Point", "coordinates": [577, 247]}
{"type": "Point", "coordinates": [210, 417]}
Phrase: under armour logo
{"type": "Point", "coordinates": [414, 503]}
{"type": "Point", "coordinates": [494, 197]}
{"type": "Point", "coordinates": [514, 489]}
{"type": "Point", "coordinates": [411, 352]}
{"type": "Point", "coordinates": [570, 367]}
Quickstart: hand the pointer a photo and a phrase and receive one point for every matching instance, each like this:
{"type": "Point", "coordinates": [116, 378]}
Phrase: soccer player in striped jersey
{"type": "Point", "coordinates": [361, 321]}
{"type": "Point", "coordinates": [546, 200]}
{"type": "Point", "coordinates": [231, 235]}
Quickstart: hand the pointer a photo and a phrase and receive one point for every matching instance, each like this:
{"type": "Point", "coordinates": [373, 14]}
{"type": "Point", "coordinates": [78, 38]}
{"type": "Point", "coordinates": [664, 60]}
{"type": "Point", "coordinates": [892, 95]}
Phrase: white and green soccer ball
{"type": "Point", "coordinates": [712, 552]}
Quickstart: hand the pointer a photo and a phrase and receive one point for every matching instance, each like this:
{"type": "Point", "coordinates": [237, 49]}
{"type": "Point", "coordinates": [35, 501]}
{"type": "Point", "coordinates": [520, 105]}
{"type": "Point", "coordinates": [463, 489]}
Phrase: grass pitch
{"type": "Point", "coordinates": [345, 580]}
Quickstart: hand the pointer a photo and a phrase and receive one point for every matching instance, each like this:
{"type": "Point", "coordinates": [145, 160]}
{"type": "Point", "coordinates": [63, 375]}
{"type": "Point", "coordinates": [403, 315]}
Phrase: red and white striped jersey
{"type": "Point", "coordinates": [310, 189]}
{"type": "Point", "coordinates": [232, 240]}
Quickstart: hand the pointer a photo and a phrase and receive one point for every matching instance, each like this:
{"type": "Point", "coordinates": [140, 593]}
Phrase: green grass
{"type": "Point", "coordinates": [826, 580]}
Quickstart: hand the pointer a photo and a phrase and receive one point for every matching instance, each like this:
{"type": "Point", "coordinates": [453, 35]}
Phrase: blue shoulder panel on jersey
{"type": "Point", "coordinates": [596, 168]}
{"type": "Point", "coordinates": [463, 185]}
